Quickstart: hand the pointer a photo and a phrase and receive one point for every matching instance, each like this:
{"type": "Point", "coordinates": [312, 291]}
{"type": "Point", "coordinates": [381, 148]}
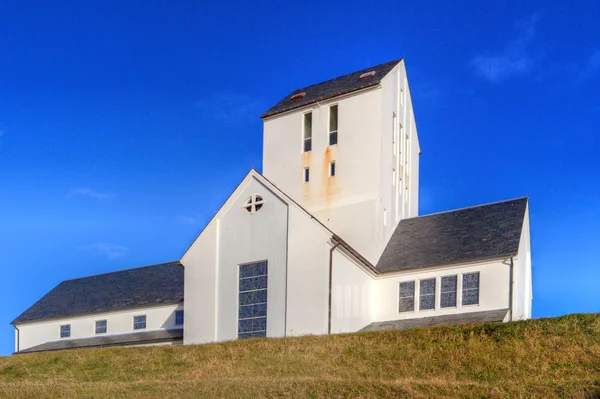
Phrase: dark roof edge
{"type": "Point", "coordinates": [123, 270]}
{"type": "Point", "coordinates": [457, 264]}
{"type": "Point", "coordinates": [270, 114]}
{"type": "Point", "coordinates": [148, 305]}
{"type": "Point", "coordinates": [466, 207]}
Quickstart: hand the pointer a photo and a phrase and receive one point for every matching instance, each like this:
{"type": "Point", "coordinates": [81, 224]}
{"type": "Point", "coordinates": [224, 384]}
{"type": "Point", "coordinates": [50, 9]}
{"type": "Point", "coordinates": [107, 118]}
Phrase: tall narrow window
{"type": "Point", "coordinates": [179, 317]}
{"type": "Point", "coordinates": [406, 302]}
{"type": "Point", "coordinates": [470, 289]}
{"type": "Point", "coordinates": [308, 132]}
{"type": "Point", "coordinates": [65, 331]}
{"type": "Point", "coordinates": [448, 292]}
{"type": "Point", "coordinates": [332, 169]}
{"type": "Point", "coordinates": [333, 125]}
{"type": "Point", "coordinates": [101, 326]}
{"type": "Point", "coordinates": [252, 314]}
{"type": "Point", "coordinates": [139, 322]}
{"type": "Point", "coordinates": [393, 177]}
{"type": "Point", "coordinates": [306, 175]}
{"type": "Point", "coordinates": [427, 294]}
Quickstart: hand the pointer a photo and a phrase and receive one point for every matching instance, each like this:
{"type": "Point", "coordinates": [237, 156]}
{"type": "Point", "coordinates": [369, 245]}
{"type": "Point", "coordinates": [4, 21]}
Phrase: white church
{"type": "Point", "coordinates": [326, 240]}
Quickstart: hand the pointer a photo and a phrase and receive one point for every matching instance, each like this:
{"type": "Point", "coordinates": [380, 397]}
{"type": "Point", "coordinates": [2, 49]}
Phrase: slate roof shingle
{"type": "Point", "coordinates": [434, 321]}
{"type": "Point", "coordinates": [332, 88]}
{"type": "Point", "coordinates": [464, 235]}
{"type": "Point", "coordinates": [138, 338]}
{"type": "Point", "coordinates": [148, 285]}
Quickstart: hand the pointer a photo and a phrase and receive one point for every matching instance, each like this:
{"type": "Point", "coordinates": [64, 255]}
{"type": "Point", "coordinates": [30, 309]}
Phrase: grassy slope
{"type": "Point", "coordinates": [543, 358]}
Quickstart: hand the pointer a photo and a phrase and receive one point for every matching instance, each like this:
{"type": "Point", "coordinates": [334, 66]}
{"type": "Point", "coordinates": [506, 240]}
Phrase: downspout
{"type": "Point", "coordinates": [331, 283]}
{"type": "Point", "coordinates": [18, 338]}
{"type": "Point", "coordinates": [510, 289]}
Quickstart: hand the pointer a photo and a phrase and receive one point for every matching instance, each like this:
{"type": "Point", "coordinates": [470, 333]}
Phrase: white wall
{"type": "Point", "coordinates": [159, 317]}
{"type": "Point", "coordinates": [523, 278]}
{"type": "Point", "coordinates": [363, 193]}
{"type": "Point", "coordinates": [493, 290]}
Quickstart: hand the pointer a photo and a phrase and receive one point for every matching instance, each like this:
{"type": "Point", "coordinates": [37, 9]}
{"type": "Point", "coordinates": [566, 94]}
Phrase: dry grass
{"type": "Point", "coordinates": [545, 358]}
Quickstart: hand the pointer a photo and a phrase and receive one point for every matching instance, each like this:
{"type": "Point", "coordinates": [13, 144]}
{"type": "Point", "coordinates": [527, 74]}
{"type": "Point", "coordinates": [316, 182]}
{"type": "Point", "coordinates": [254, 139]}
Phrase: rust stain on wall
{"type": "Point", "coordinates": [305, 163]}
{"type": "Point", "coordinates": [328, 182]}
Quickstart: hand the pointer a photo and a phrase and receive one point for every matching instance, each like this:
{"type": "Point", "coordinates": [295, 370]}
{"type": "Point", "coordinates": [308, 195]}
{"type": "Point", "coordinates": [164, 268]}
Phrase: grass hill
{"type": "Point", "coordinates": [545, 358]}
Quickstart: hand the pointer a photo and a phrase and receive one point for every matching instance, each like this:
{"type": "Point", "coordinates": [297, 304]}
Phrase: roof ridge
{"type": "Point", "coordinates": [122, 270]}
{"type": "Point", "coordinates": [466, 207]}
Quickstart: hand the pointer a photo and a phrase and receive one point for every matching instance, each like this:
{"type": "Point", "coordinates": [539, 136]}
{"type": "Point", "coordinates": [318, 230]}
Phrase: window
{"type": "Point", "coordinates": [448, 292]}
{"type": "Point", "coordinates": [407, 297]}
{"type": "Point", "coordinates": [252, 313]}
{"type": "Point", "coordinates": [65, 331]}
{"type": "Point", "coordinates": [306, 174]}
{"type": "Point", "coordinates": [297, 96]}
{"type": "Point", "coordinates": [308, 132]}
{"type": "Point", "coordinates": [100, 326]}
{"type": "Point", "coordinates": [179, 317]}
{"type": "Point", "coordinates": [470, 289]}
{"type": "Point", "coordinates": [367, 75]}
{"type": "Point", "coordinates": [393, 177]}
{"type": "Point", "coordinates": [332, 169]}
{"type": "Point", "coordinates": [333, 125]}
{"type": "Point", "coordinates": [427, 294]}
{"type": "Point", "coordinates": [253, 204]}
{"type": "Point", "coordinates": [394, 133]}
{"type": "Point", "coordinates": [139, 322]}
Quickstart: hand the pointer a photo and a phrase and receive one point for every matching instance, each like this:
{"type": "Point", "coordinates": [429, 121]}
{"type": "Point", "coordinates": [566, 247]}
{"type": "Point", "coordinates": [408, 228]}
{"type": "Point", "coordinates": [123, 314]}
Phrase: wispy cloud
{"type": "Point", "coordinates": [186, 219]}
{"type": "Point", "coordinates": [110, 251]}
{"type": "Point", "coordinates": [88, 192]}
{"type": "Point", "coordinates": [516, 59]}
{"type": "Point", "coordinates": [231, 108]}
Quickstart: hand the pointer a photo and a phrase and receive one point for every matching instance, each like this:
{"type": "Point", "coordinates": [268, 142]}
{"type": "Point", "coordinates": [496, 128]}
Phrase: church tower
{"type": "Point", "coordinates": [347, 150]}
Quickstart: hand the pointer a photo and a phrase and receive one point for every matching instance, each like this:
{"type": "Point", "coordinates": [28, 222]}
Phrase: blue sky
{"type": "Point", "coordinates": [124, 125]}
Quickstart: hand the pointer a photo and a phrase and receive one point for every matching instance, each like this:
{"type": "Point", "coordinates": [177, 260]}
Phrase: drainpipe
{"type": "Point", "coordinates": [330, 283]}
{"type": "Point", "coordinates": [510, 290]}
{"type": "Point", "coordinates": [18, 337]}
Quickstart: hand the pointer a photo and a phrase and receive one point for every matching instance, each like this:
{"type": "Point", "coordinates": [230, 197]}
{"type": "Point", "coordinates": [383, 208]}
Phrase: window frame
{"type": "Point", "coordinates": [414, 288]}
{"type": "Point", "coordinates": [145, 322]}
{"type": "Point", "coordinates": [66, 334]}
{"type": "Point", "coordinates": [435, 285]}
{"type": "Point", "coordinates": [333, 133]}
{"type": "Point", "coordinates": [177, 313]}
{"type": "Point", "coordinates": [304, 138]}
{"type": "Point", "coordinates": [462, 289]}
{"type": "Point", "coordinates": [455, 291]}
{"type": "Point", "coordinates": [105, 326]}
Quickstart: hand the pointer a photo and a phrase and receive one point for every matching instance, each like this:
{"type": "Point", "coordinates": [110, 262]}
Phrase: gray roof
{"type": "Point", "coordinates": [138, 338]}
{"type": "Point", "coordinates": [433, 321]}
{"type": "Point", "coordinates": [332, 88]}
{"type": "Point", "coordinates": [142, 286]}
{"type": "Point", "coordinates": [464, 235]}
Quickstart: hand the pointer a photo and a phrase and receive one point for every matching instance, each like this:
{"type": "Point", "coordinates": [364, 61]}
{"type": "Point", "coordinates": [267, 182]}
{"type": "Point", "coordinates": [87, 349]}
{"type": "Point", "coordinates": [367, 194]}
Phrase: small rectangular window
{"type": "Point", "coordinates": [427, 294]}
{"type": "Point", "coordinates": [448, 292]}
{"type": "Point", "coordinates": [332, 169]}
{"type": "Point", "coordinates": [308, 132]}
{"type": "Point", "coordinates": [139, 322]}
{"type": "Point", "coordinates": [333, 125]}
{"type": "Point", "coordinates": [306, 175]}
{"type": "Point", "coordinates": [101, 326]}
{"type": "Point", "coordinates": [470, 289]}
{"type": "Point", "coordinates": [407, 297]}
{"type": "Point", "coordinates": [65, 331]}
{"type": "Point", "coordinates": [179, 317]}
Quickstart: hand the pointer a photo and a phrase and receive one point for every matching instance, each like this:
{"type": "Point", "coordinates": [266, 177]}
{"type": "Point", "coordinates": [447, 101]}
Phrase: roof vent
{"type": "Point", "coordinates": [297, 96]}
{"type": "Point", "coordinates": [367, 75]}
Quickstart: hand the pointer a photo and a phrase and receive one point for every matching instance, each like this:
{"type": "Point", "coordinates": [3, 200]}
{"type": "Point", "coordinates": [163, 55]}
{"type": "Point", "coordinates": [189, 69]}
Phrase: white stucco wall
{"type": "Point", "coordinates": [523, 294]}
{"type": "Point", "coordinates": [160, 317]}
{"type": "Point", "coordinates": [493, 290]}
{"type": "Point", "coordinates": [354, 203]}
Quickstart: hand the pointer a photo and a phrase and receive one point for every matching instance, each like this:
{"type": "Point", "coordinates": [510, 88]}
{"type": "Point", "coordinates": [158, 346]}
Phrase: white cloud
{"type": "Point", "coordinates": [516, 58]}
{"type": "Point", "coordinates": [186, 219]}
{"type": "Point", "coordinates": [88, 192]}
{"type": "Point", "coordinates": [110, 251]}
